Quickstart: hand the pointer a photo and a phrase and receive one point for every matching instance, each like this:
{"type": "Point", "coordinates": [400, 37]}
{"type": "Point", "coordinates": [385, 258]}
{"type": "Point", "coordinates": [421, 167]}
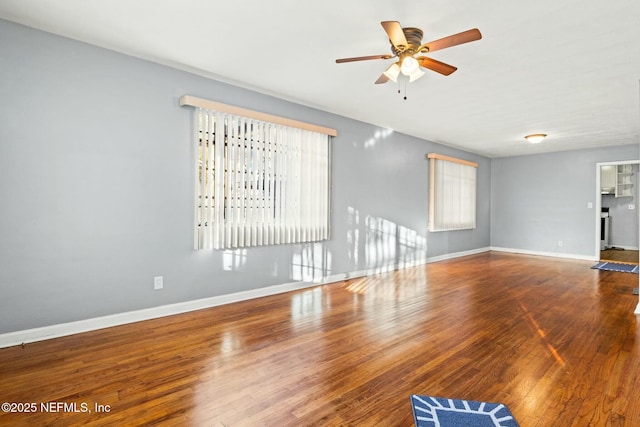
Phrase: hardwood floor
{"type": "Point", "coordinates": [619, 255]}
{"type": "Point", "coordinates": [551, 338]}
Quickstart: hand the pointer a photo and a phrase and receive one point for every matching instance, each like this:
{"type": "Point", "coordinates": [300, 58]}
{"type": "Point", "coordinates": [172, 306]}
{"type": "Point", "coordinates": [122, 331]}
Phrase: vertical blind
{"type": "Point", "coordinates": [258, 183]}
{"type": "Point", "coordinates": [452, 193]}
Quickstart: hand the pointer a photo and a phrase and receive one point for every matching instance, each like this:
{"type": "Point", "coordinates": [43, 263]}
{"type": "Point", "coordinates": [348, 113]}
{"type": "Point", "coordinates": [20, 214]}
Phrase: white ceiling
{"type": "Point", "coordinates": [568, 68]}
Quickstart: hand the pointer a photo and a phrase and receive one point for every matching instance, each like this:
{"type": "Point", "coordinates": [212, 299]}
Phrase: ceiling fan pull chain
{"type": "Point", "coordinates": [405, 89]}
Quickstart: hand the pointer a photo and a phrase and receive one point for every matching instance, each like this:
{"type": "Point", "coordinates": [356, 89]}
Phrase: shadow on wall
{"type": "Point", "coordinates": [234, 260]}
{"type": "Point", "coordinates": [312, 263]}
{"type": "Point", "coordinates": [375, 244]}
{"type": "Point", "coordinates": [387, 246]}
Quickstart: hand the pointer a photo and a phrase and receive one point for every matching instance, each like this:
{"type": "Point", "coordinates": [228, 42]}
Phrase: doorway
{"type": "Point", "coordinates": [617, 206]}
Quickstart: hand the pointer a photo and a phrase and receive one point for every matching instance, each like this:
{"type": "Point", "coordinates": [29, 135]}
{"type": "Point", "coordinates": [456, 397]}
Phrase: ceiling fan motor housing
{"type": "Point", "coordinates": [414, 41]}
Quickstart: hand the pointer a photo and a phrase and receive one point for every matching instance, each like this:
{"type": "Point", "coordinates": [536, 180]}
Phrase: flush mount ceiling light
{"type": "Point", "coordinates": [535, 138]}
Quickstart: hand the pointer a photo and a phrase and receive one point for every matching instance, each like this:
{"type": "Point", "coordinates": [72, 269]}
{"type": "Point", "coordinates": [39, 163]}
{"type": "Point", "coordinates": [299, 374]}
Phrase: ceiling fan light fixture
{"type": "Point", "coordinates": [535, 138]}
{"type": "Point", "coordinates": [416, 75]}
{"type": "Point", "coordinates": [409, 65]}
{"type": "Point", "coordinates": [392, 72]}
{"type": "Point", "coordinates": [407, 42]}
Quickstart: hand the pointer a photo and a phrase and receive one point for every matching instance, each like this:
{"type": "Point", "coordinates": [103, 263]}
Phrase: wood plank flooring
{"type": "Point", "coordinates": [553, 339]}
{"type": "Point", "coordinates": [620, 255]}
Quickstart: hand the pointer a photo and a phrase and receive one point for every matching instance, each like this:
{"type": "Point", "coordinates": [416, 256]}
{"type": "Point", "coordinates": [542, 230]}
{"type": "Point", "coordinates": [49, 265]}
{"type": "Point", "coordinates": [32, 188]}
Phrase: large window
{"type": "Point", "coordinates": [258, 183]}
{"type": "Point", "coordinates": [452, 193]}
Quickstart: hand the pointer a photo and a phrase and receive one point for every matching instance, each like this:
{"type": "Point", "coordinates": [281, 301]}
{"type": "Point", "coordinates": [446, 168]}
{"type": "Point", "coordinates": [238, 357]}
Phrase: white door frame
{"type": "Point", "coordinates": [599, 199]}
{"type": "Point", "coordinates": [599, 208]}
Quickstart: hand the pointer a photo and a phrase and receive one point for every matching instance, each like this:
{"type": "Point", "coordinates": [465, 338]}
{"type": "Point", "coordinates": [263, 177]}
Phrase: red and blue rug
{"type": "Point", "coordinates": [615, 266]}
{"type": "Point", "coordinates": [429, 411]}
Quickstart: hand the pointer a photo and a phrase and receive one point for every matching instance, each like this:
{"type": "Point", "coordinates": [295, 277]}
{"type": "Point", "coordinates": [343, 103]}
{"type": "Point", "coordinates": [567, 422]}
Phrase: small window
{"type": "Point", "coordinates": [452, 193]}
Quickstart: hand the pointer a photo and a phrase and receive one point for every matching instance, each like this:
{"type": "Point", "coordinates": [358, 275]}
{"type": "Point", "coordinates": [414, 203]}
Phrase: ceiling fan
{"type": "Point", "coordinates": [406, 43]}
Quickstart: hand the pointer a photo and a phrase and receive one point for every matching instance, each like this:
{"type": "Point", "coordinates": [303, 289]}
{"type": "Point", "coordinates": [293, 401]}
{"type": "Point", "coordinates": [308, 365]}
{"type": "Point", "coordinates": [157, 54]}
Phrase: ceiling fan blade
{"type": "Point", "coordinates": [382, 79]}
{"type": "Point", "coordinates": [395, 33]}
{"type": "Point", "coordinates": [363, 58]}
{"type": "Point", "coordinates": [437, 66]}
{"type": "Point", "coordinates": [453, 40]}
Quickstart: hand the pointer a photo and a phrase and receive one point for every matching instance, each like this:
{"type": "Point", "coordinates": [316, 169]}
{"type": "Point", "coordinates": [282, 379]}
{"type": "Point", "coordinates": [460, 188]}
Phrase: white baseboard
{"type": "Point", "coordinates": [543, 253]}
{"type": "Point", "coordinates": [458, 254]}
{"type": "Point", "coordinates": [70, 328]}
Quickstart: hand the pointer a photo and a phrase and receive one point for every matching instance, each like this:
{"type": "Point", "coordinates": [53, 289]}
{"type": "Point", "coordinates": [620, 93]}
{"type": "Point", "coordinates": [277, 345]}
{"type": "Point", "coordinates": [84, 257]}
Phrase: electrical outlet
{"type": "Point", "coordinates": [560, 243]}
{"type": "Point", "coordinates": [589, 205]}
{"type": "Point", "coordinates": [632, 206]}
{"type": "Point", "coordinates": [158, 283]}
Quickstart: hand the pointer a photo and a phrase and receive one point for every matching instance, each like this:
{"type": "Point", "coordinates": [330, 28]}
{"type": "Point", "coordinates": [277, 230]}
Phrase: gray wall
{"type": "Point", "coordinates": [96, 189]}
{"type": "Point", "coordinates": [539, 200]}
